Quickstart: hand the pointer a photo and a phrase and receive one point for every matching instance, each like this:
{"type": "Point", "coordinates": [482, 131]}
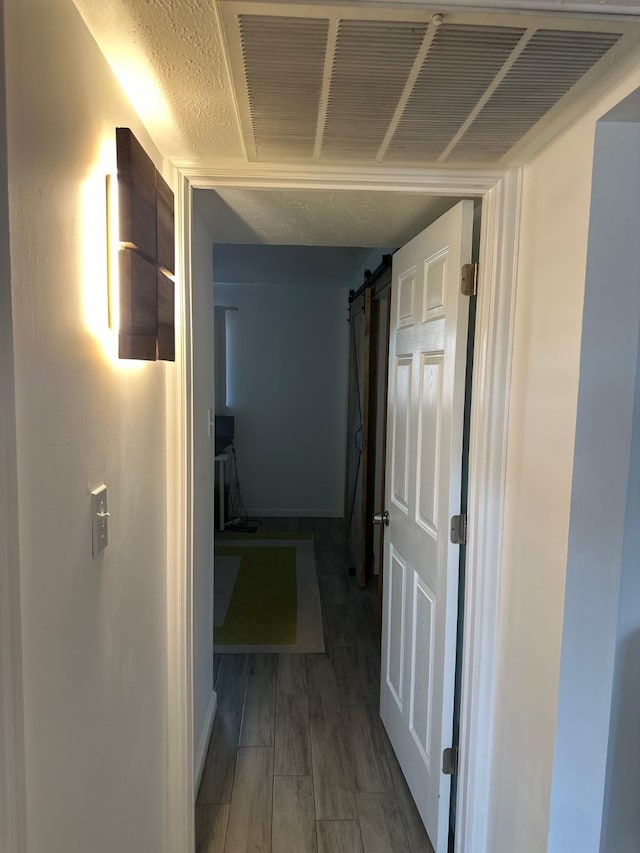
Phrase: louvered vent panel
{"type": "Point", "coordinates": [461, 64]}
{"type": "Point", "coordinates": [373, 60]}
{"type": "Point", "coordinates": [283, 64]}
{"type": "Point", "coordinates": [336, 82]}
{"type": "Point", "coordinates": [548, 67]}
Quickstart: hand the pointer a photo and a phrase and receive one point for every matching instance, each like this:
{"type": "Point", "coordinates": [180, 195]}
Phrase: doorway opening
{"type": "Point", "coordinates": [500, 222]}
{"type": "Point", "coordinates": [284, 354]}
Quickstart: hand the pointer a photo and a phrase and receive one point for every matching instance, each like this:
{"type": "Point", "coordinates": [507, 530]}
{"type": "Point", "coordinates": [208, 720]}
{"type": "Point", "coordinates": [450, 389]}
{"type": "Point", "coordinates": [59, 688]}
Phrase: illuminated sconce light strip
{"type": "Point", "coordinates": [112, 251]}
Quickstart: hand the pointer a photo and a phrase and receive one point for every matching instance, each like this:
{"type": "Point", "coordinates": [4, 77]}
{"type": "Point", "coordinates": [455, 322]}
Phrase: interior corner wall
{"type": "Point", "coordinates": [593, 605]}
{"type": "Point", "coordinates": [94, 632]}
{"type": "Point", "coordinates": [287, 372]}
{"type": "Point", "coordinates": [541, 434]}
{"type": "Point", "coordinates": [202, 336]}
{"type": "Point", "coordinates": [621, 817]}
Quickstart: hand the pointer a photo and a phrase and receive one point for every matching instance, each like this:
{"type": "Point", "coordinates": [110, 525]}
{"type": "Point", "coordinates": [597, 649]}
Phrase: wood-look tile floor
{"type": "Point", "coordinates": [299, 761]}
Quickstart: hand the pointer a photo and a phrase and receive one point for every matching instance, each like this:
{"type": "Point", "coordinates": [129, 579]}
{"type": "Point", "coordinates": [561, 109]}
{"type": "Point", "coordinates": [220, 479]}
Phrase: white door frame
{"type": "Point", "coordinates": [179, 442]}
{"type": "Point", "coordinates": [501, 197]}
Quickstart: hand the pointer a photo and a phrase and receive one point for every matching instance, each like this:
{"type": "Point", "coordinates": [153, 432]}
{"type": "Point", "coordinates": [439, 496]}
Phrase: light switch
{"type": "Point", "coordinates": [100, 518]}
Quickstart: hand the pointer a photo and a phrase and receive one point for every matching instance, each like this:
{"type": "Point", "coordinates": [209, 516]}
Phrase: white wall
{"type": "Point", "coordinates": [287, 351]}
{"type": "Point", "coordinates": [93, 631]}
{"type": "Point", "coordinates": [542, 423]}
{"type": "Point", "coordinates": [203, 453]}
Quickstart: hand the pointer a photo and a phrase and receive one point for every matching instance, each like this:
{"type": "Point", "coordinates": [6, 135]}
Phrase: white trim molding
{"type": "Point", "coordinates": [604, 9]}
{"type": "Point", "coordinates": [203, 740]}
{"type": "Point", "coordinates": [441, 182]}
{"type": "Point", "coordinates": [500, 229]}
{"type": "Point", "coordinates": [179, 419]}
{"type": "Point", "coordinates": [501, 196]}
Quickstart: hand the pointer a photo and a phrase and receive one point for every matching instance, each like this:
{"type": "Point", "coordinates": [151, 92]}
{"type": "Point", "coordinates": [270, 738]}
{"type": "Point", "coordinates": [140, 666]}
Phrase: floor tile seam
{"type": "Point", "coordinates": [243, 709]}
{"type": "Point", "coordinates": [337, 819]}
{"type": "Point", "coordinates": [349, 753]}
{"type": "Point", "coordinates": [273, 788]}
{"type": "Point", "coordinates": [292, 775]}
{"type": "Point", "coordinates": [398, 809]}
{"type": "Point", "coordinates": [265, 678]}
{"type": "Point", "coordinates": [226, 830]}
{"type": "Point", "coordinates": [286, 719]}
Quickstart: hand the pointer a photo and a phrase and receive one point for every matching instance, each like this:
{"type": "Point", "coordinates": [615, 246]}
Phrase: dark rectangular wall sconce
{"type": "Point", "coordinates": [146, 261]}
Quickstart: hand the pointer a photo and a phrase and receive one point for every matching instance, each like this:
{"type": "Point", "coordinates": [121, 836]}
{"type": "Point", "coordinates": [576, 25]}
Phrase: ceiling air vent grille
{"type": "Point", "coordinates": [551, 63]}
{"type": "Point", "coordinates": [356, 83]}
{"type": "Point", "coordinates": [283, 64]}
{"type": "Point", "coordinates": [459, 67]}
{"type": "Point", "coordinates": [372, 62]}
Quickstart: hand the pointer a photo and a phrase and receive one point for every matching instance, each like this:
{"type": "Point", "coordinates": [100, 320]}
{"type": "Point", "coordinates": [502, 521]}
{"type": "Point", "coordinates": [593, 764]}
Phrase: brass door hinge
{"type": "Point", "coordinates": [459, 529]}
{"type": "Point", "coordinates": [469, 279]}
{"type": "Point", "coordinates": [450, 761]}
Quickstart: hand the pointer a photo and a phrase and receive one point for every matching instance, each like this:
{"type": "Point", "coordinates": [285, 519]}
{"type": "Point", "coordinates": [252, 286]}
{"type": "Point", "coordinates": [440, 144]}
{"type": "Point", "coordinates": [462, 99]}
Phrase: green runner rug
{"type": "Point", "coordinates": [266, 595]}
{"type": "Point", "coordinates": [264, 604]}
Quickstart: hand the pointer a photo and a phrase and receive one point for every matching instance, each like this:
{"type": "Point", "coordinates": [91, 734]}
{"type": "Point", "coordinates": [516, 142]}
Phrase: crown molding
{"type": "Point", "coordinates": [442, 181]}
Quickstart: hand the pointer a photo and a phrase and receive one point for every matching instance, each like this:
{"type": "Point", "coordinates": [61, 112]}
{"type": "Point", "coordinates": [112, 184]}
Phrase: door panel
{"type": "Point", "coordinates": [396, 598]}
{"type": "Point", "coordinates": [429, 442]}
{"type": "Point", "coordinates": [427, 361]}
{"type": "Point", "coordinates": [401, 431]}
{"type": "Point", "coordinates": [422, 667]}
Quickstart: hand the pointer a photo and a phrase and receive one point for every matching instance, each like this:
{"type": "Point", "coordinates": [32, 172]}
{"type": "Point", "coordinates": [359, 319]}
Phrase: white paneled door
{"type": "Point", "coordinates": [427, 367]}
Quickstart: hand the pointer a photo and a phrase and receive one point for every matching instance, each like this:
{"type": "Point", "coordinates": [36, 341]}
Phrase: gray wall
{"type": "Point", "coordinates": [621, 824]}
{"type": "Point", "coordinates": [601, 616]}
{"type": "Point", "coordinates": [287, 356]}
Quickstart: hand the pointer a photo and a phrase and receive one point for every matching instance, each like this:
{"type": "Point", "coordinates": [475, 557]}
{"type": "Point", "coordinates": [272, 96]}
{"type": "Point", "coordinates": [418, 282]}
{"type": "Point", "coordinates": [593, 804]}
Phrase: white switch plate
{"type": "Point", "coordinates": [211, 418]}
{"type": "Point", "coordinates": [100, 519]}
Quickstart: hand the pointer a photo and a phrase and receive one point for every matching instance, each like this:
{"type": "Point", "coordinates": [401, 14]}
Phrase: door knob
{"type": "Point", "coordinates": [382, 518]}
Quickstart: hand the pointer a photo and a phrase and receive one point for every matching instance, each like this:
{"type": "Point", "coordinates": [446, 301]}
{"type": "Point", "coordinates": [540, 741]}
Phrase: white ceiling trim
{"type": "Point", "coordinates": [443, 182]}
{"type": "Point", "coordinates": [603, 9]}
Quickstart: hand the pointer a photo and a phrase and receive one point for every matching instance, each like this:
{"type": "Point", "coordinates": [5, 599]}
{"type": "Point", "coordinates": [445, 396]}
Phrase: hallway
{"type": "Point", "coordinates": [298, 760]}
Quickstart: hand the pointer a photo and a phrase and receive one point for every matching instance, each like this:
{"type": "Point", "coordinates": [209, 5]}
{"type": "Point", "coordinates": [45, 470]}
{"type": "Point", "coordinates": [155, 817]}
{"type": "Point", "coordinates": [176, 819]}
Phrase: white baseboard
{"type": "Point", "coordinates": [205, 737]}
{"type": "Point", "coordinates": [294, 513]}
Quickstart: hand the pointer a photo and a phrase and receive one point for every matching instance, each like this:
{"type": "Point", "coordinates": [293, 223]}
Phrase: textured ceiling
{"type": "Point", "coordinates": [169, 57]}
{"type": "Point", "coordinates": [317, 217]}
